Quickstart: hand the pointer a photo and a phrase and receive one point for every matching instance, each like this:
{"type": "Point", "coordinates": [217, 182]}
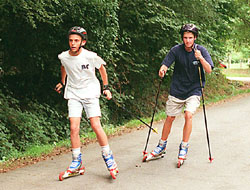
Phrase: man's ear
{"type": "Point", "coordinates": [84, 42]}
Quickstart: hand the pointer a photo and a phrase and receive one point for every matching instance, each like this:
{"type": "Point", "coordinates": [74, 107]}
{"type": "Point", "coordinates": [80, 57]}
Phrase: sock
{"type": "Point", "coordinates": [184, 144]}
{"type": "Point", "coordinates": [105, 149]}
{"type": "Point", "coordinates": [162, 142]}
{"type": "Point", "coordinates": [75, 153]}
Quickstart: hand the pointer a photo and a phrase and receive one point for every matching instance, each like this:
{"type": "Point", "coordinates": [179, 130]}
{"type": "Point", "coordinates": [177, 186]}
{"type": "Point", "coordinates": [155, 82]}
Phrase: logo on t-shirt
{"type": "Point", "coordinates": [85, 66]}
{"type": "Point", "coordinates": [195, 63]}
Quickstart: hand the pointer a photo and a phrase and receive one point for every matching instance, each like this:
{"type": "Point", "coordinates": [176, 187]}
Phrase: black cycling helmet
{"type": "Point", "coordinates": [189, 28]}
{"type": "Point", "coordinates": [78, 30]}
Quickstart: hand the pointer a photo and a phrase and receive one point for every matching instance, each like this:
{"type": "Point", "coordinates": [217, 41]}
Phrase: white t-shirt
{"type": "Point", "coordinates": [81, 79]}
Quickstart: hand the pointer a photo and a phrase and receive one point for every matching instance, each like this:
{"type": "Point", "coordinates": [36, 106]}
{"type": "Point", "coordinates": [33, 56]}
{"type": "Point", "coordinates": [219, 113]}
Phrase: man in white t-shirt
{"type": "Point", "coordinates": [83, 90]}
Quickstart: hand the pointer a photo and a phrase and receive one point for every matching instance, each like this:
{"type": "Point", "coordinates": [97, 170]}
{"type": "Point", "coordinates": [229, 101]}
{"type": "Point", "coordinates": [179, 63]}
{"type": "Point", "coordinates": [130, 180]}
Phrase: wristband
{"type": "Point", "coordinates": [106, 87]}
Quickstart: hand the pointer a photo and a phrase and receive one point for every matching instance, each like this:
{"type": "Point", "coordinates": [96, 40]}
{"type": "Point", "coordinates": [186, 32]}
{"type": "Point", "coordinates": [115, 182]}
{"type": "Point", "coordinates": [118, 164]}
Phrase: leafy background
{"type": "Point", "coordinates": [133, 37]}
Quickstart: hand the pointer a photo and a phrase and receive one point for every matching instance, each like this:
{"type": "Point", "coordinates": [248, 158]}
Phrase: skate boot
{"type": "Point", "coordinates": [75, 168]}
{"type": "Point", "coordinates": [158, 152]}
{"type": "Point", "coordinates": [110, 163]}
{"type": "Point", "coordinates": [183, 149]}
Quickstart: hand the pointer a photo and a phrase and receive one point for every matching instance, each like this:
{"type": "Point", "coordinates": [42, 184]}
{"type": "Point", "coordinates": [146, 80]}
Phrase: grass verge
{"type": "Point", "coordinates": [236, 72]}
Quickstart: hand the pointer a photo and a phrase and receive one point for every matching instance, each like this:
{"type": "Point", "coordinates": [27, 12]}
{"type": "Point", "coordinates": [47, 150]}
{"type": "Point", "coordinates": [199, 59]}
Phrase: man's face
{"type": "Point", "coordinates": [188, 39]}
{"type": "Point", "coordinates": [75, 41]}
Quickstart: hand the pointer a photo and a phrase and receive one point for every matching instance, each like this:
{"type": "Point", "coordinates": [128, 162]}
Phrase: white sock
{"type": "Point", "coordinates": [162, 141]}
{"type": "Point", "coordinates": [106, 149]}
{"type": "Point", "coordinates": [75, 153]}
{"type": "Point", "coordinates": [184, 144]}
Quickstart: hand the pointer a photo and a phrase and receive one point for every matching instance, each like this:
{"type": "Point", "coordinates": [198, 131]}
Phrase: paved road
{"type": "Point", "coordinates": [229, 127]}
{"type": "Point", "coordinates": [243, 79]}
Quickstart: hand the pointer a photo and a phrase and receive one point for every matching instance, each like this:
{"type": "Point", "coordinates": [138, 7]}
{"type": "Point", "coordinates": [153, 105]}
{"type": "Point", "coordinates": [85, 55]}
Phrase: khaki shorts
{"type": "Point", "coordinates": [90, 105]}
{"type": "Point", "coordinates": [174, 106]}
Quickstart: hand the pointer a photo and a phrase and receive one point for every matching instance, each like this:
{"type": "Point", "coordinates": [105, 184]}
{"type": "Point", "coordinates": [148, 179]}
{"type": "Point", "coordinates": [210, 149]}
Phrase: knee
{"type": "Point", "coordinates": [74, 128]}
{"type": "Point", "coordinates": [171, 118]}
{"type": "Point", "coordinates": [95, 123]}
{"type": "Point", "coordinates": [95, 126]}
{"type": "Point", "coordinates": [188, 115]}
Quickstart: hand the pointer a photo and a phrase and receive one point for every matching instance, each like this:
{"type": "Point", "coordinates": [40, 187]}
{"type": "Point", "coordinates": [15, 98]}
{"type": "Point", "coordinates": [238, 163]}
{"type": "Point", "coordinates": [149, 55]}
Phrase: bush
{"type": "Point", "coordinates": [217, 85]}
{"type": "Point", "coordinates": [22, 129]}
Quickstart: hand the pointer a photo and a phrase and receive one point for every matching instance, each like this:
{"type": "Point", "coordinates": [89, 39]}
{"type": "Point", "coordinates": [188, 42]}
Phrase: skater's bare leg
{"type": "Point", "coordinates": [103, 141]}
{"type": "Point", "coordinates": [183, 149]}
{"type": "Point", "coordinates": [74, 131]}
{"type": "Point", "coordinates": [76, 166]}
{"type": "Point", "coordinates": [167, 127]}
{"type": "Point", "coordinates": [100, 134]}
{"type": "Point", "coordinates": [187, 126]}
{"type": "Point", "coordinates": [160, 149]}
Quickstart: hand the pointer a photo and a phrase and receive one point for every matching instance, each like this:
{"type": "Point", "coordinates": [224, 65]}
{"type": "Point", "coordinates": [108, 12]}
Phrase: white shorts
{"type": "Point", "coordinates": [90, 105]}
{"type": "Point", "coordinates": [174, 106]}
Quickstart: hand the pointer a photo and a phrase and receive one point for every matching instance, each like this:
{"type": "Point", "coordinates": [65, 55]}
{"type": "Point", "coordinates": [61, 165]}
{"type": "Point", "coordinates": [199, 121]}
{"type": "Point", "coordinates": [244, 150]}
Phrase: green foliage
{"type": "Point", "coordinates": [21, 129]}
{"type": "Point", "coordinates": [145, 30]}
{"type": "Point", "coordinates": [133, 37]}
{"type": "Point", "coordinates": [239, 36]}
{"type": "Point", "coordinates": [217, 85]}
{"type": "Point", "coordinates": [241, 32]}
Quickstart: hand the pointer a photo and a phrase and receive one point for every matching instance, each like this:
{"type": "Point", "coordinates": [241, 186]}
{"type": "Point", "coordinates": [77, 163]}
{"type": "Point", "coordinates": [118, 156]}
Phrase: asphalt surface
{"type": "Point", "coordinates": [243, 79]}
{"type": "Point", "coordinates": [229, 130]}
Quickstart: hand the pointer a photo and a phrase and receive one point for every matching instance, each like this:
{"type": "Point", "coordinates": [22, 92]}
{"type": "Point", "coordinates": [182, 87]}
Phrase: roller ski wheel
{"type": "Point", "coordinates": [180, 162]}
{"type": "Point", "coordinates": [151, 156]}
{"type": "Point", "coordinates": [69, 173]}
{"type": "Point", "coordinates": [158, 152]}
{"type": "Point", "coordinates": [114, 172]}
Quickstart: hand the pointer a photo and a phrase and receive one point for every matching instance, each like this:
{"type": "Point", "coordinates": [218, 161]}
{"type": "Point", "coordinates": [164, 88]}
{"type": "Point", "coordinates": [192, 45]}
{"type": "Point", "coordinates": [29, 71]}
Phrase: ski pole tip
{"type": "Point", "coordinates": [155, 130]}
{"type": "Point", "coordinates": [211, 159]}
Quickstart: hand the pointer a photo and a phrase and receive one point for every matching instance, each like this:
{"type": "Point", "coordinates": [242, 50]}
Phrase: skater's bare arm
{"type": "Point", "coordinates": [163, 71]}
{"type": "Point", "coordinates": [203, 61]}
{"type": "Point", "coordinates": [104, 76]}
{"type": "Point", "coordinates": [63, 77]}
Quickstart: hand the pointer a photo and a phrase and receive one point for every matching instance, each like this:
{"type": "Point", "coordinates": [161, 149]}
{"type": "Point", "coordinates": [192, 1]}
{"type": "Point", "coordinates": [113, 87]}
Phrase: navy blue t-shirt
{"type": "Point", "coordinates": [185, 81]}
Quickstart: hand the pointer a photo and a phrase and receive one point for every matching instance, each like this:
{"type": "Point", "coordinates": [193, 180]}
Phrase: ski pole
{"type": "Point", "coordinates": [150, 127]}
{"type": "Point", "coordinates": [123, 107]}
{"type": "Point", "coordinates": [205, 118]}
{"type": "Point", "coordinates": [152, 120]}
{"type": "Point", "coordinates": [204, 109]}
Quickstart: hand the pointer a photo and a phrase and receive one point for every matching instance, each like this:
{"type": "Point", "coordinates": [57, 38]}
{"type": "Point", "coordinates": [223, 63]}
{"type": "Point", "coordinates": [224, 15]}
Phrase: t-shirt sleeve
{"type": "Point", "coordinates": [207, 56]}
{"type": "Point", "coordinates": [169, 59]}
{"type": "Point", "coordinates": [60, 57]}
{"type": "Point", "coordinates": [98, 62]}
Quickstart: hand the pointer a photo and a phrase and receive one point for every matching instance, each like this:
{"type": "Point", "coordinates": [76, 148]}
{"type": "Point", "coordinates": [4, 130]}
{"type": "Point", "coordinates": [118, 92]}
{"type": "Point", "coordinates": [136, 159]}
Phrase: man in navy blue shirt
{"type": "Point", "coordinates": [185, 90]}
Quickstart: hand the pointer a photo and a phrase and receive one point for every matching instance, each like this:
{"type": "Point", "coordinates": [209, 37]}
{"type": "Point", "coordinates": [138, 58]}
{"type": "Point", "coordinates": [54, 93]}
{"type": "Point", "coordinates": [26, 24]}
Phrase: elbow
{"type": "Point", "coordinates": [209, 71]}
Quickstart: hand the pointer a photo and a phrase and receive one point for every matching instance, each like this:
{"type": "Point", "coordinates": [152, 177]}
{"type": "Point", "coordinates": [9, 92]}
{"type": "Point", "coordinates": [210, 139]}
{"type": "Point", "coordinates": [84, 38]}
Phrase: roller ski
{"type": "Point", "coordinates": [110, 163]}
{"type": "Point", "coordinates": [158, 152]}
{"type": "Point", "coordinates": [183, 149]}
{"type": "Point", "coordinates": [75, 168]}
